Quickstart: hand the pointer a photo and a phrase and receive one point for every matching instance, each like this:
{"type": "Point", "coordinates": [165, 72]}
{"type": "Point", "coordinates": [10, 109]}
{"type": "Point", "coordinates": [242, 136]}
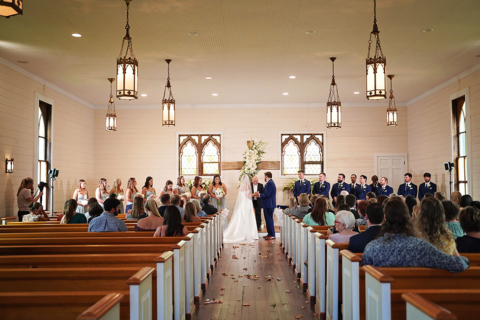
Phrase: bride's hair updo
{"type": "Point", "coordinates": [215, 177]}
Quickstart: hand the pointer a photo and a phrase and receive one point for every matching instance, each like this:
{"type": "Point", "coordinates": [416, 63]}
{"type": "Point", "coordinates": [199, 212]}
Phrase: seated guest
{"type": "Point", "coordinates": [95, 210]}
{"type": "Point", "coordinates": [330, 207]}
{"type": "Point", "coordinates": [456, 198]}
{"type": "Point", "coordinates": [292, 203]}
{"type": "Point", "coordinates": [311, 204]}
{"type": "Point", "coordinates": [465, 201]}
{"type": "Point", "coordinates": [451, 214]}
{"type": "Point", "coordinates": [70, 214]}
{"type": "Point", "coordinates": [371, 195]}
{"type": "Point", "coordinates": [165, 200]}
{"type": "Point", "coordinates": [430, 223]}
{"type": "Point", "coordinates": [200, 212]}
{"type": "Point", "coordinates": [175, 201]}
{"type": "Point", "coordinates": [201, 194]}
{"type": "Point", "coordinates": [185, 200]}
{"type": "Point", "coordinates": [372, 200]}
{"type": "Point", "coordinates": [470, 223]}
{"type": "Point", "coordinates": [207, 207]}
{"type": "Point", "coordinates": [36, 213]}
{"type": "Point", "coordinates": [350, 201]}
{"type": "Point", "coordinates": [172, 226]}
{"type": "Point", "coordinates": [440, 195]}
{"type": "Point", "coordinates": [153, 219]}
{"type": "Point", "coordinates": [319, 216]}
{"type": "Point", "coordinates": [302, 208]}
{"type": "Point", "coordinates": [397, 244]}
{"type": "Point", "coordinates": [344, 193]}
{"type": "Point", "coordinates": [344, 223]}
{"type": "Point", "coordinates": [362, 209]}
{"type": "Point", "coordinates": [411, 202]}
{"type": "Point", "coordinates": [138, 210]}
{"type": "Point", "coordinates": [428, 195]}
{"type": "Point", "coordinates": [182, 203]}
{"type": "Point", "coordinates": [381, 198]}
{"type": "Point", "coordinates": [190, 213]}
{"type": "Point", "coordinates": [340, 201]}
{"type": "Point", "coordinates": [108, 222]}
{"type": "Point", "coordinates": [374, 217]}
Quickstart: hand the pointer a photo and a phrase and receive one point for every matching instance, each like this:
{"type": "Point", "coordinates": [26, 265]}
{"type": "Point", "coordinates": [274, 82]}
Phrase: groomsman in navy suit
{"type": "Point", "coordinates": [407, 188]}
{"type": "Point", "coordinates": [269, 203]}
{"type": "Point", "coordinates": [339, 187]}
{"type": "Point", "coordinates": [301, 186]}
{"type": "Point", "coordinates": [384, 189]}
{"type": "Point", "coordinates": [375, 184]}
{"type": "Point", "coordinates": [354, 184]}
{"type": "Point", "coordinates": [322, 187]}
{"type": "Point", "coordinates": [427, 187]}
{"type": "Point", "coordinates": [362, 189]}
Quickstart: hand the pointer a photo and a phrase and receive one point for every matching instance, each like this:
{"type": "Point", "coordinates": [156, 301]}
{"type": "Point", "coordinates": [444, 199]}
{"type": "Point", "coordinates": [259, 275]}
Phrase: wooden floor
{"type": "Point", "coordinates": [265, 299]}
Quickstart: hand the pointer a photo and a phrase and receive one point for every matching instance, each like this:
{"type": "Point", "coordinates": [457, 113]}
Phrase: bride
{"type": "Point", "coordinates": [242, 226]}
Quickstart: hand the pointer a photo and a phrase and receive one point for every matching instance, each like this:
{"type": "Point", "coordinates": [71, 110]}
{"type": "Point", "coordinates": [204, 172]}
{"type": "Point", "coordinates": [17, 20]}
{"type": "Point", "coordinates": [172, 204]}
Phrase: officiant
{"type": "Point", "coordinates": [257, 201]}
{"type": "Point", "coordinates": [301, 186]}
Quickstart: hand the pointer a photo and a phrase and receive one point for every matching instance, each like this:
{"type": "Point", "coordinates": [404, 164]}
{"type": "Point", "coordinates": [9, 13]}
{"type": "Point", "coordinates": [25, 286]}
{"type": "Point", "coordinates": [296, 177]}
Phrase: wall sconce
{"type": "Point", "coordinates": [9, 165]}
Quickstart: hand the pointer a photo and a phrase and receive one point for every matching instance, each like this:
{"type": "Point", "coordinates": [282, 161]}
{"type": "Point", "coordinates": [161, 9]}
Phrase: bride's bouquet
{"type": "Point", "coordinates": [219, 193]}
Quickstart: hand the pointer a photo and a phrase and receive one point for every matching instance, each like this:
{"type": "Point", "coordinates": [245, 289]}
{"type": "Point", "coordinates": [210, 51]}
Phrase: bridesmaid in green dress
{"type": "Point", "coordinates": [116, 189]}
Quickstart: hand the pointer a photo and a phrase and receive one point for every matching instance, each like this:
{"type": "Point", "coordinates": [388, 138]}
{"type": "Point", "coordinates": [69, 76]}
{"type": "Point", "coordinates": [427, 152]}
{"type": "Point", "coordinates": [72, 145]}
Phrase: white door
{"type": "Point", "coordinates": [392, 166]}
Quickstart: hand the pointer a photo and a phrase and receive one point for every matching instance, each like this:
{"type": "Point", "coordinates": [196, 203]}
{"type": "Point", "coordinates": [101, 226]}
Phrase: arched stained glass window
{"type": "Point", "coordinates": [291, 158]}
{"type": "Point", "coordinates": [302, 152]}
{"type": "Point", "coordinates": [211, 158]}
{"type": "Point", "coordinates": [200, 154]}
{"type": "Point", "coordinates": [188, 159]}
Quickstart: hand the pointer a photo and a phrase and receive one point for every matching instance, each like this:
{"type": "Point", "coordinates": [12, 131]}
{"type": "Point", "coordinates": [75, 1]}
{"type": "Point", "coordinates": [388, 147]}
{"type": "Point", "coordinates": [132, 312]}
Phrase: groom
{"type": "Point", "coordinates": [269, 203]}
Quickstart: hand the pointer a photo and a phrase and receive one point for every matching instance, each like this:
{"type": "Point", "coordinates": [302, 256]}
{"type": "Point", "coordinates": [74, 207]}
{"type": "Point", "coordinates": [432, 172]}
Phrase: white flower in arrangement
{"type": "Point", "coordinates": [84, 202]}
{"type": "Point", "coordinates": [120, 197]}
{"type": "Point", "coordinates": [188, 194]}
{"type": "Point", "coordinates": [219, 193]}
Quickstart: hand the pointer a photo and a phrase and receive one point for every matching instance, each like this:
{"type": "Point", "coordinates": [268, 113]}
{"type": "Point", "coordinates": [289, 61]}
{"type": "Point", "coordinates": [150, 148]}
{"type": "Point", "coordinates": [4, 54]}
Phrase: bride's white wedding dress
{"type": "Point", "coordinates": [243, 226]}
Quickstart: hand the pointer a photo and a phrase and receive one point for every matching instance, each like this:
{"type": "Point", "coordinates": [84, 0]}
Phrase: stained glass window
{"type": "Point", "coordinates": [302, 152]}
{"type": "Point", "coordinates": [188, 162]}
{"type": "Point", "coordinates": [199, 155]}
{"type": "Point", "coordinates": [291, 158]}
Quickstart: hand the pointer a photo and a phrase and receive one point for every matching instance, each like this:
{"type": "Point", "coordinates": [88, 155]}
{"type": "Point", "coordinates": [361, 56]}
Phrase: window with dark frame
{"type": "Point", "coordinates": [460, 145]}
{"type": "Point", "coordinates": [302, 152]}
{"type": "Point", "coordinates": [44, 147]}
{"type": "Point", "coordinates": [199, 154]}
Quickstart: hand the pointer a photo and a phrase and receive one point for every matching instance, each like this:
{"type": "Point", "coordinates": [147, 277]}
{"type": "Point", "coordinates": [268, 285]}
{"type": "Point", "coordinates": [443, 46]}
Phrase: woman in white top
{"type": "Point", "coordinates": [130, 193]}
{"type": "Point", "coordinates": [24, 197]}
{"type": "Point", "coordinates": [168, 188]}
{"type": "Point", "coordinates": [101, 192]}
{"type": "Point", "coordinates": [180, 188]}
{"type": "Point", "coordinates": [148, 188]}
{"type": "Point", "coordinates": [81, 196]}
{"type": "Point", "coordinates": [116, 189]}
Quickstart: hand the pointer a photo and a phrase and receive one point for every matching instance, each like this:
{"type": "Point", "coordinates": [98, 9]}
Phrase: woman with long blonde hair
{"type": "Point", "coordinates": [190, 213]}
{"type": "Point", "coordinates": [101, 192]}
{"type": "Point", "coordinates": [25, 197]}
{"type": "Point", "coordinates": [130, 193]}
{"type": "Point", "coordinates": [81, 196]}
{"type": "Point", "coordinates": [456, 198]}
{"type": "Point", "coordinates": [117, 189]}
{"type": "Point", "coordinates": [153, 219]}
{"type": "Point", "coordinates": [70, 215]}
{"type": "Point", "coordinates": [138, 210]}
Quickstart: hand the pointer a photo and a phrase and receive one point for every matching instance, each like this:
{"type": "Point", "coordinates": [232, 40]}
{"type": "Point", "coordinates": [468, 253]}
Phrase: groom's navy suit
{"type": "Point", "coordinates": [269, 203]}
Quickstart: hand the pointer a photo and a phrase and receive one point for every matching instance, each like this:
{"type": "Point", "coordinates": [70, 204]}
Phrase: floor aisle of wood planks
{"type": "Point", "coordinates": [244, 298]}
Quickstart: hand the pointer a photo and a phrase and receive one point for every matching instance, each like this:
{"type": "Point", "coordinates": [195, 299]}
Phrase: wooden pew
{"type": "Point", "coordinates": [334, 280]}
{"type": "Point", "coordinates": [137, 281]}
{"type": "Point", "coordinates": [107, 308]}
{"type": "Point", "coordinates": [53, 305]}
{"type": "Point", "coordinates": [5, 220]}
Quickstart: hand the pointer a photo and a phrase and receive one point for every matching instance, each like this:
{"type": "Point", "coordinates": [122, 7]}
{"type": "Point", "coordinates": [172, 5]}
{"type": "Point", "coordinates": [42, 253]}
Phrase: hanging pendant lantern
{"type": "Point", "coordinates": [10, 8]}
{"type": "Point", "coordinates": [111, 119]}
{"type": "Point", "coordinates": [376, 65]}
{"type": "Point", "coordinates": [127, 68]}
{"type": "Point", "coordinates": [168, 102]}
{"type": "Point", "coordinates": [392, 108]}
{"type": "Point", "coordinates": [334, 106]}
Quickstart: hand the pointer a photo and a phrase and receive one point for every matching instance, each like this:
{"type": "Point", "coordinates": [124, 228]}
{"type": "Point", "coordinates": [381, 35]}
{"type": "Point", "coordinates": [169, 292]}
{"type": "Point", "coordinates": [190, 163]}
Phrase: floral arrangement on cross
{"type": "Point", "coordinates": [252, 158]}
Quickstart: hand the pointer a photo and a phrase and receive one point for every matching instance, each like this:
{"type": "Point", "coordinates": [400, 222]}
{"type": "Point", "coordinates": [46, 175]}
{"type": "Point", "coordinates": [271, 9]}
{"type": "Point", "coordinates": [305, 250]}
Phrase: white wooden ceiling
{"type": "Point", "coordinates": [249, 48]}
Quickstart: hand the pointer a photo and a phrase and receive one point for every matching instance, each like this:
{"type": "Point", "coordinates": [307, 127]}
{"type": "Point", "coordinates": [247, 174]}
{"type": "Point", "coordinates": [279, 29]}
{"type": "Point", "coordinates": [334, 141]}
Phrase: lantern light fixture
{"type": "Point", "coordinates": [376, 65]}
{"type": "Point", "coordinates": [111, 118]}
{"type": "Point", "coordinates": [168, 102]}
{"type": "Point", "coordinates": [9, 165]}
{"type": "Point", "coordinates": [392, 108]}
{"type": "Point", "coordinates": [127, 67]}
{"type": "Point", "coordinates": [334, 106]}
{"type": "Point", "coordinates": [10, 8]}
